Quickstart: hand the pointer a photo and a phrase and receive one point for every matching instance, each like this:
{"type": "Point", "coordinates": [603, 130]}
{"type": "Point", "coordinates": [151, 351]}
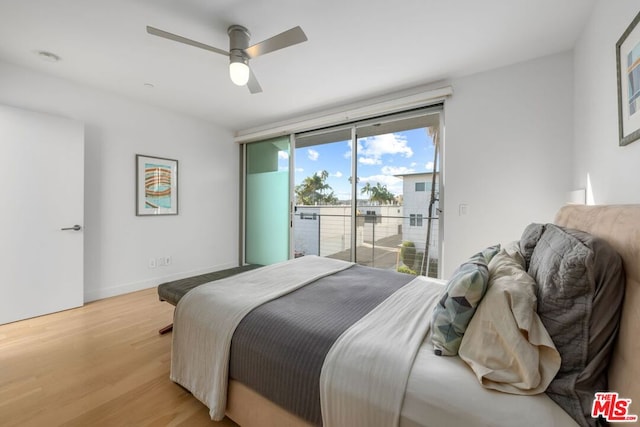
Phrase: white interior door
{"type": "Point", "coordinates": [42, 176]}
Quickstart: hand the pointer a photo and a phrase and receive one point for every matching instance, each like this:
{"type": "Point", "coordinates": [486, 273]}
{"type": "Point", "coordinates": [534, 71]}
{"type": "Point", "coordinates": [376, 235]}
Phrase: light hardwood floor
{"type": "Point", "coordinates": [103, 364]}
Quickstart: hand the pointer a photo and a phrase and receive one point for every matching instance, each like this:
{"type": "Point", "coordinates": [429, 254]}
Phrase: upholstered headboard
{"type": "Point", "coordinates": [620, 226]}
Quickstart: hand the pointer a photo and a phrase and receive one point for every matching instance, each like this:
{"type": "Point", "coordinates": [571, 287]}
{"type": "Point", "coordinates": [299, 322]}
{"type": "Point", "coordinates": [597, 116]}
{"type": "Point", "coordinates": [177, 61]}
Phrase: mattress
{"type": "Point", "coordinates": [443, 391]}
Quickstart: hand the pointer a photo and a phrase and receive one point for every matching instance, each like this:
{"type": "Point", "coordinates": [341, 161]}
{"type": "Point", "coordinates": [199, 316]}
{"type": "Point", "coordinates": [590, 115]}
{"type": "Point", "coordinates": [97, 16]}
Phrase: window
{"type": "Point", "coordinates": [372, 217]}
{"type": "Point", "coordinates": [415, 220]}
{"type": "Point", "coordinates": [312, 216]}
{"type": "Point", "coordinates": [420, 186]}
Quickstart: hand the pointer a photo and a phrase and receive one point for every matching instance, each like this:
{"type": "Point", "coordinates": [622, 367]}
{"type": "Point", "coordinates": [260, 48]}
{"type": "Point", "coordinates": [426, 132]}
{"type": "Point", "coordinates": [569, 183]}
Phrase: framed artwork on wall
{"type": "Point", "coordinates": [156, 186]}
{"type": "Point", "coordinates": [628, 67]}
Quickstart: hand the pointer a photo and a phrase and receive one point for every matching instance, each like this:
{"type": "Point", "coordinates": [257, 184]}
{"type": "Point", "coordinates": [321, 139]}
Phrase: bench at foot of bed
{"type": "Point", "coordinates": [173, 291]}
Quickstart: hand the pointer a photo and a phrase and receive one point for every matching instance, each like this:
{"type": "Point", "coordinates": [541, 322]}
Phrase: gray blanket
{"type": "Point", "coordinates": [278, 349]}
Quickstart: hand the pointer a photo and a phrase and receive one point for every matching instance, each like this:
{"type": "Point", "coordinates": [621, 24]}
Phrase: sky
{"type": "Point", "coordinates": [380, 157]}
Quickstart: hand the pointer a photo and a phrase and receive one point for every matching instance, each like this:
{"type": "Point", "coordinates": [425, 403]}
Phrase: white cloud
{"type": "Point", "coordinates": [413, 164]}
{"type": "Point", "coordinates": [337, 174]}
{"type": "Point", "coordinates": [369, 161]}
{"type": "Point", "coordinates": [299, 169]}
{"type": "Point", "coordinates": [312, 154]}
{"type": "Point", "coordinates": [382, 179]}
{"type": "Point", "coordinates": [429, 166]}
{"type": "Point", "coordinates": [374, 147]}
{"type": "Point", "coordinates": [283, 155]}
{"type": "Point", "coordinates": [393, 184]}
{"type": "Point", "coordinates": [396, 170]}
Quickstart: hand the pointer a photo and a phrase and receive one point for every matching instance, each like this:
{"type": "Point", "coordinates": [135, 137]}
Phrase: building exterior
{"type": "Point", "coordinates": [416, 194]}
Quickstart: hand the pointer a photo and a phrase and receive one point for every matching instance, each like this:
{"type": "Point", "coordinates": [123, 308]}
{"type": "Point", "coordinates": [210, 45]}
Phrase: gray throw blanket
{"type": "Point", "coordinates": [279, 348]}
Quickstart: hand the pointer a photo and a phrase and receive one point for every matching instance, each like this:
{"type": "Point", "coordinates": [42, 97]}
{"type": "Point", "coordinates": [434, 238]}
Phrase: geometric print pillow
{"type": "Point", "coordinates": [463, 293]}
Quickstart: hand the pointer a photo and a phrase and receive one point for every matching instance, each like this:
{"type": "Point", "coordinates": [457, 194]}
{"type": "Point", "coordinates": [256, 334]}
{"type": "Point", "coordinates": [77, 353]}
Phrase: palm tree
{"type": "Point", "coordinates": [381, 194]}
{"type": "Point", "coordinates": [366, 189]}
{"type": "Point", "coordinates": [314, 190]}
{"type": "Point", "coordinates": [378, 193]}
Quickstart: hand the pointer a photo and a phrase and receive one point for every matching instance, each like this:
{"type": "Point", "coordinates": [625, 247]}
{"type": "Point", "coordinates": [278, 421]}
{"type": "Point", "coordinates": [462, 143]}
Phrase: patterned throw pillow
{"type": "Point", "coordinates": [462, 295]}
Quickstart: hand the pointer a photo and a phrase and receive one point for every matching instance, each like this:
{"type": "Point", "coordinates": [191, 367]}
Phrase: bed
{"type": "Point", "coordinates": [232, 359]}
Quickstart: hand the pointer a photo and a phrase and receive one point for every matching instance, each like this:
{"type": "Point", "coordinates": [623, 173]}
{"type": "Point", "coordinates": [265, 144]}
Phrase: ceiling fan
{"type": "Point", "coordinates": [239, 50]}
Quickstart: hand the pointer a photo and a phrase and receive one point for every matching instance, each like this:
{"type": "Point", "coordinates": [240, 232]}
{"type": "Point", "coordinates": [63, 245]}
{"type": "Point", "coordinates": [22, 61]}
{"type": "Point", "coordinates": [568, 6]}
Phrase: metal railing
{"type": "Point", "coordinates": [393, 242]}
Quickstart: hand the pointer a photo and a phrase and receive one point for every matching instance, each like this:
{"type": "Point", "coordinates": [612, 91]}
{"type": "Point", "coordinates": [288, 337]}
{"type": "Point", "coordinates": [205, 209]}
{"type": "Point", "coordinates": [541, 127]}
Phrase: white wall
{"type": "Point", "coordinates": [507, 153]}
{"type": "Point", "coordinates": [118, 244]}
{"type": "Point", "coordinates": [612, 170]}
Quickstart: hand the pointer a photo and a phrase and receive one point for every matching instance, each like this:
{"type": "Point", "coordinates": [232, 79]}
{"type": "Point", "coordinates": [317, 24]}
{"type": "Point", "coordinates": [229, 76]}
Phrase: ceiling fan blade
{"type": "Point", "coordinates": [180, 39]}
{"type": "Point", "coordinates": [280, 41]}
{"type": "Point", "coordinates": [252, 84]}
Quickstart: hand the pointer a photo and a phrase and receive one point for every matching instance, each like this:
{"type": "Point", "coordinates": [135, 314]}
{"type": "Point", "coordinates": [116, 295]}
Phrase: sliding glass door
{"type": "Point", "coordinates": [397, 167]}
{"type": "Point", "coordinates": [367, 192]}
{"type": "Point", "coordinates": [322, 193]}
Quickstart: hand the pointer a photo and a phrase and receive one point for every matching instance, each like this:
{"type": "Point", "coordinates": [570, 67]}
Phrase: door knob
{"type": "Point", "coordinates": [74, 228]}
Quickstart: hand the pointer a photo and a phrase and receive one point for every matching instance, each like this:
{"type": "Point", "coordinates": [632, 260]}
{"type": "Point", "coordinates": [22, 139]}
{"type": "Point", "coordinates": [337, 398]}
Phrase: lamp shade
{"type": "Point", "coordinates": [239, 73]}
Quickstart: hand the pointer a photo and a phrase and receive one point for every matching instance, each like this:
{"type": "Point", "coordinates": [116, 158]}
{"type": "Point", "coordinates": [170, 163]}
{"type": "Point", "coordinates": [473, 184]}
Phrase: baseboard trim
{"type": "Point", "coordinates": [112, 291]}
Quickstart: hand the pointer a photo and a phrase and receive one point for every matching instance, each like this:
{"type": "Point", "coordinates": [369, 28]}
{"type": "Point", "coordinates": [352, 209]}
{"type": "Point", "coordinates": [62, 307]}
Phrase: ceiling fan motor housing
{"type": "Point", "coordinates": [238, 42]}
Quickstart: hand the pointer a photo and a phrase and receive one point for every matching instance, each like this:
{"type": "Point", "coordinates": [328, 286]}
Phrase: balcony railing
{"type": "Point", "coordinates": [387, 242]}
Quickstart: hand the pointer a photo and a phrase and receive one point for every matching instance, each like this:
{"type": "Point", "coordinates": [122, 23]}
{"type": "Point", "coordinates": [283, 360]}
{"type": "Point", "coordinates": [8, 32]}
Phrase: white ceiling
{"type": "Point", "coordinates": [357, 49]}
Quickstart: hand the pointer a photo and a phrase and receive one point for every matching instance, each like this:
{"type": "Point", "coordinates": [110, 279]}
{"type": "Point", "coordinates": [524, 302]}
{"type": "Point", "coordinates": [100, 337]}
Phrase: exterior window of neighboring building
{"type": "Point", "coordinates": [420, 186]}
{"type": "Point", "coordinates": [312, 216]}
{"type": "Point", "coordinates": [371, 217]}
{"type": "Point", "coordinates": [415, 220]}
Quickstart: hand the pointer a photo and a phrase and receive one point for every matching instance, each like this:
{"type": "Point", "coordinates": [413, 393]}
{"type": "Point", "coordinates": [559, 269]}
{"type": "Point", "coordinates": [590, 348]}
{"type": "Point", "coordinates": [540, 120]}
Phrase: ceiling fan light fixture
{"type": "Point", "coordinates": [239, 73]}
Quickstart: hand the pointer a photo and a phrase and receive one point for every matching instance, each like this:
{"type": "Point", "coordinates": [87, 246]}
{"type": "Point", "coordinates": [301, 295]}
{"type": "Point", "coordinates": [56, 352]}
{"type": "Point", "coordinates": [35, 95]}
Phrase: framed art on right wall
{"type": "Point", "coordinates": [628, 66]}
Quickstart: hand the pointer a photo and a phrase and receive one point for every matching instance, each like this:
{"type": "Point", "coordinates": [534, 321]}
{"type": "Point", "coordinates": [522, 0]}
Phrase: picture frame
{"type": "Point", "coordinates": [628, 69]}
{"type": "Point", "coordinates": [156, 186]}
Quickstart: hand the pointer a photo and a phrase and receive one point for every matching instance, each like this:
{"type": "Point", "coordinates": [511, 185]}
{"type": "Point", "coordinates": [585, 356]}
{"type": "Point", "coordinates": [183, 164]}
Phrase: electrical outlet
{"type": "Point", "coordinates": [167, 260]}
{"type": "Point", "coordinates": [152, 263]}
{"type": "Point", "coordinates": [161, 262]}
